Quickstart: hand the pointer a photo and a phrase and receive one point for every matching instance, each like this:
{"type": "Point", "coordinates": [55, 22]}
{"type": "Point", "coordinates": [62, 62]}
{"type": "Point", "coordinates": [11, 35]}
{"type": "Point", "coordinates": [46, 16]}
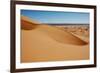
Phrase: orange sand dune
{"type": "Point", "coordinates": [47, 43]}
{"type": "Point", "coordinates": [27, 23]}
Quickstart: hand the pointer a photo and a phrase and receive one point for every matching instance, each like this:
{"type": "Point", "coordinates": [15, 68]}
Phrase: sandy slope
{"type": "Point", "coordinates": [27, 23]}
{"type": "Point", "coordinates": [47, 43]}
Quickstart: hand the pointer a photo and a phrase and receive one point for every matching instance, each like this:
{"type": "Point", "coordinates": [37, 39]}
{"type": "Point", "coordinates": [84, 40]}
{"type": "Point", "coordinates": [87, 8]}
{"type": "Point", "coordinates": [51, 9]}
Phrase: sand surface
{"type": "Point", "coordinates": [41, 42]}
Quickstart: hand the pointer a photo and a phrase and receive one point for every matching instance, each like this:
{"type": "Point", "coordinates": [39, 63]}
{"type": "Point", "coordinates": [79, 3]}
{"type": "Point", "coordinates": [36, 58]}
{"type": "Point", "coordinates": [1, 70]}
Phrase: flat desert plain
{"type": "Point", "coordinates": [42, 42]}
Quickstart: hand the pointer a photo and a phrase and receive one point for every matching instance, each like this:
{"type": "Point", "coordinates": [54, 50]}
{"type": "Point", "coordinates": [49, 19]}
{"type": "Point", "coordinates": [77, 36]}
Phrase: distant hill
{"type": "Point", "coordinates": [66, 24]}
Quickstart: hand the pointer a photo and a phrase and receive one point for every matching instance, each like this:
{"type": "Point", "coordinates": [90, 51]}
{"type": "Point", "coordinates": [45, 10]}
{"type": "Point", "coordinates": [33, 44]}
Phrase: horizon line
{"type": "Point", "coordinates": [67, 23]}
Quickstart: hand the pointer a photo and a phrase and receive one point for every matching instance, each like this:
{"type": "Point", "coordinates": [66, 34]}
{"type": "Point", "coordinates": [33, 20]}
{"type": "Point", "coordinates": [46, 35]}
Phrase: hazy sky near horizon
{"type": "Point", "coordinates": [57, 16]}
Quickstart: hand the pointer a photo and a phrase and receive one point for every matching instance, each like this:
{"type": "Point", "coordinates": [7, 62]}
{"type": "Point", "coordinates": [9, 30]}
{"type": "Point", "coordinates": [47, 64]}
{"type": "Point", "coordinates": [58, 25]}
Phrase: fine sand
{"type": "Point", "coordinates": [40, 42]}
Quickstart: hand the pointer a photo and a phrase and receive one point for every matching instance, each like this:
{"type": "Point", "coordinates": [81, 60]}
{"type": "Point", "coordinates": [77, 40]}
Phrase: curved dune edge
{"type": "Point", "coordinates": [27, 23]}
{"type": "Point", "coordinates": [53, 32]}
{"type": "Point", "coordinates": [60, 35]}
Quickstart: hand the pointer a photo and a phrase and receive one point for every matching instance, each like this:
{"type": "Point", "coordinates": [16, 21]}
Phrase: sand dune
{"type": "Point", "coordinates": [27, 23]}
{"type": "Point", "coordinates": [53, 32]}
{"type": "Point", "coordinates": [47, 43]}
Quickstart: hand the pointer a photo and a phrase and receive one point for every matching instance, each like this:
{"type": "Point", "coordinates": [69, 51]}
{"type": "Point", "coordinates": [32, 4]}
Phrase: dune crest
{"type": "Point", "coordinates": [27, 23]}
{"type": "Point", "coordinates": [61, 36]}
{"type": "Point", "coordinates": [53, 32]}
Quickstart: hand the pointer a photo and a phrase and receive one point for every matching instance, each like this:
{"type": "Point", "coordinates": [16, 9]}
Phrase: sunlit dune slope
{"type": "Point", "coordinates": [53, 32]}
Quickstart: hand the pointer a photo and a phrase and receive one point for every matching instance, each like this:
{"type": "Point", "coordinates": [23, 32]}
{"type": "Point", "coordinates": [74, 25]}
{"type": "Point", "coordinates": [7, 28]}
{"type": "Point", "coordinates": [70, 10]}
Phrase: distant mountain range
{"type": "Point", "coordinates": [65, 24]}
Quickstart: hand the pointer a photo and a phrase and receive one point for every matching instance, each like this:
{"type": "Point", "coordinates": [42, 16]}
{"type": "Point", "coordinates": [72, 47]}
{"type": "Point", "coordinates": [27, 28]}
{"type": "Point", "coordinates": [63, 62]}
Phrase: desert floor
{"type": "Point", "coordinates": [40, 43]}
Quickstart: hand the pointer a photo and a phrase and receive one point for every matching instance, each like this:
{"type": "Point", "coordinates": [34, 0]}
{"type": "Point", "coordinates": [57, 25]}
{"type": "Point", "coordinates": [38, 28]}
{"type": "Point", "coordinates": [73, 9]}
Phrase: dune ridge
{"type": "Point", "coordinates": [27, 23]}
{"type": "Point", "coordinates": [56, 33]}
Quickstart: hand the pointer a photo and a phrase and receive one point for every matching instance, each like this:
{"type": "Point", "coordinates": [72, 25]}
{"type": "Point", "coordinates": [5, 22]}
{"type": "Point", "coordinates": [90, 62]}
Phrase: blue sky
{"type": "Point", "coordinates": [57, 16]}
